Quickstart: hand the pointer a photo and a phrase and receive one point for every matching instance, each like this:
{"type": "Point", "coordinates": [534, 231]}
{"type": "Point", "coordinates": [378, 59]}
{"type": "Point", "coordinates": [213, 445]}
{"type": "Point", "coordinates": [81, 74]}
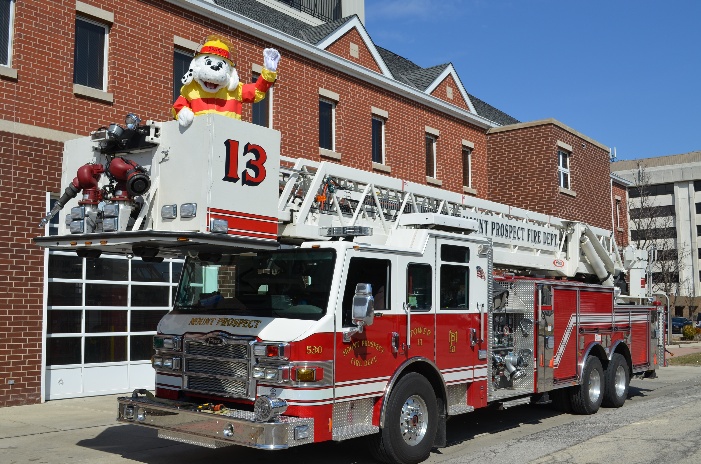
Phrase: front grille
{"type": "Point", "coordinates": [217, 363]}
{"type": "Point", "coordinates": [199, 348]}
{"type": "Point", "coordinates": [216, 367]}
{"type": "Point", "coordinates": [226, 387]}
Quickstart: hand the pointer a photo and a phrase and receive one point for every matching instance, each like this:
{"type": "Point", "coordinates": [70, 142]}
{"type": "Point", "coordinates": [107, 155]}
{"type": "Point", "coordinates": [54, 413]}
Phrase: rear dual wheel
{"type": "Point", "coordinates": [586, 397]}
{"type": "Point", "coordinates": [616, 381]}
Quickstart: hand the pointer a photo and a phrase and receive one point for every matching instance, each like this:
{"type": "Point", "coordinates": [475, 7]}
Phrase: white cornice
{"type": "Point", "coordinates": [450, 71]}
{"type": "Point", "coordinates": [355, 23]}
{"type": "Point", "coordinates": [323, 57]}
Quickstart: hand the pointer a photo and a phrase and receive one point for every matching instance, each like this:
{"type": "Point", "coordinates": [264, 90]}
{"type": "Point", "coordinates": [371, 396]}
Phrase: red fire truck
{"type": "Point", "coordinates": [319, 302]}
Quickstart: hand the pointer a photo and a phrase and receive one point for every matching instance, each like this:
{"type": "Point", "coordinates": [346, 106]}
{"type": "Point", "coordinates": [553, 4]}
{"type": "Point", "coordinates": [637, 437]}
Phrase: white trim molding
{"type": "Point", "coordinates": [325, 58]}
{"type": "Point", "coordinates": [355, 23]}
{"type": "Point", "coordinates": [450, 71]}
{"type": "Point", "coordinates": [94, 12]}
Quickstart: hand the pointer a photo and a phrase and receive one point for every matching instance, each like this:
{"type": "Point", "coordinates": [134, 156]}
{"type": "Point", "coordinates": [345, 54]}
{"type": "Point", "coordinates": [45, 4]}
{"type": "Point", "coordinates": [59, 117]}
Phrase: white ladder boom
{"type": "Point", "coordinates": [315, 196]}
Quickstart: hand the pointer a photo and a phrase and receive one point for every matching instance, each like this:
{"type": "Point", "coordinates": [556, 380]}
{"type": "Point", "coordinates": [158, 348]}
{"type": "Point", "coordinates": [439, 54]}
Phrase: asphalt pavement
{"type": "Point", "coordinates": [85, 430]}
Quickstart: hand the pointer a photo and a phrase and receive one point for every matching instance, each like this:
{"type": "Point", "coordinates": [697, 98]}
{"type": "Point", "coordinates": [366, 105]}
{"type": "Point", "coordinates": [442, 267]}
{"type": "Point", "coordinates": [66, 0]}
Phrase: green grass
{"type": "Point", "coordinates": [693, 359]}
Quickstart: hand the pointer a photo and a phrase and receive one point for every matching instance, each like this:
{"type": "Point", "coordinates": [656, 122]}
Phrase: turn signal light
{"type": "Point", "coordinates": [308, 374]}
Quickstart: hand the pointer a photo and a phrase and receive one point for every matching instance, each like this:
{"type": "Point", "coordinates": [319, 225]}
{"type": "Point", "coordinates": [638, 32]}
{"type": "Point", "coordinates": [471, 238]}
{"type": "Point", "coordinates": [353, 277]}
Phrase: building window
{"type": "Point", "coordinates": [563, 169]}
{"type": "Point", "coordinates": [261, 110]}
{"type": "Point", "coordinates": [327, 110]}
{"type": "Point", "coordinates": [467, 167]}
{"type": "Point", "coordinates": [378, 140]}
{"type": "Point", "coordinates": [90, 54]}
{"type": "Point", "coordinates": [181, 63]}
{"type": "Point", "coordinates": [431, 141]}
{"type": "Point", "coordinates": [6, 19]}
{"type": "Point", "coordinates": [618, 213]}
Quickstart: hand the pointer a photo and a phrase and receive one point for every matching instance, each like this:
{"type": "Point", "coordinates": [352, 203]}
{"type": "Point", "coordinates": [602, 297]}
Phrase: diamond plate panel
{"type": "Point", "coordinates": [353, 419]}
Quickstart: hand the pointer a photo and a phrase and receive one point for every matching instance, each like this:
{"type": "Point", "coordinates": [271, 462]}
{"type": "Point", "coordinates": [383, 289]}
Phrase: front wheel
{"type": "Point", "coordinates": [616, 381]}
{"type": "Point", "coordinates": [410, 422]}
{"type": "Point", "coordinates": [586, 398]}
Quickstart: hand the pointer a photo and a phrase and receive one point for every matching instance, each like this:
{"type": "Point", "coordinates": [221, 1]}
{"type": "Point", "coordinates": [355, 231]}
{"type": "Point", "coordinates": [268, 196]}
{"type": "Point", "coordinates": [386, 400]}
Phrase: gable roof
{"type": "Point", "coordinates": [394, 66]}
{"type": "Point", "coordinates": [315, 34]}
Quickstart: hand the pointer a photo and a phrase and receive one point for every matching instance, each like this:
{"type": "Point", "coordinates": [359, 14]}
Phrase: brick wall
{"type": "Point", "coordinates": [24, 164]}
{"type": "Point", "coordinates": [140, 78]}
{"type": "Point", "coordinates": [620, 226]}
{"type": "Point", "coordinates": [342, 48]}
{"type": "Point", "coordinates": [524, 173]}
{"type": "Point", "coordinates": [448, 91]}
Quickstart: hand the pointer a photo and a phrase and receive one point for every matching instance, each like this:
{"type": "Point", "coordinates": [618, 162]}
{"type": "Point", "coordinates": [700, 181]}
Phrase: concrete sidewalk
{"type": "Point", "coordinates": [679, 348]}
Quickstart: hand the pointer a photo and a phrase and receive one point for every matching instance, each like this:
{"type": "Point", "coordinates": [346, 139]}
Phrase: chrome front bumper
{"type": "Point", "coordinates": [182, 422]}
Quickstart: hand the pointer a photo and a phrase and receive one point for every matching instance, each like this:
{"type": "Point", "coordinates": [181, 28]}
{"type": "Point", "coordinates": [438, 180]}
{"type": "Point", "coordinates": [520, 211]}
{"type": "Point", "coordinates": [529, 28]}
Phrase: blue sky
{"type": "Point", "coordinates": [625, 73]}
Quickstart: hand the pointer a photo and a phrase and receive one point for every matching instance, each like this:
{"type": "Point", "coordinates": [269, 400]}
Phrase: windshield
{"type": "Point", "coordinates": [292, 284]}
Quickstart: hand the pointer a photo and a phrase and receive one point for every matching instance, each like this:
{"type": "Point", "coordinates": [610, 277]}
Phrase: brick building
{"type": "Point", "coordinates": [74, 326]}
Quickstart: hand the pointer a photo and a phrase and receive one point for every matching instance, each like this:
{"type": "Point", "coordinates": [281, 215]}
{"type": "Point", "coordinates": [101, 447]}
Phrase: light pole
{"type": "Point", "coordinates": [669, 316]}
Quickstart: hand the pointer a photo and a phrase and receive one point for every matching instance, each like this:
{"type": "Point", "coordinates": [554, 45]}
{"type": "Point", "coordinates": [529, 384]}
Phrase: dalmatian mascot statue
{"type": "Point", "coordinates": [212, 85]}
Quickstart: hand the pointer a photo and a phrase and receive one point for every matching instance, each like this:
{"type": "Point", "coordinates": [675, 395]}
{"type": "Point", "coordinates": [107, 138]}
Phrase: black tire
{"type": "Point", "coordinates": [616, 382]}
{"type": "Point", "coordinates": [402, 442]}
{"type": "Point", "coordinates": [561, 400]}
{"type": "Point", "coordinates": [586, 398]}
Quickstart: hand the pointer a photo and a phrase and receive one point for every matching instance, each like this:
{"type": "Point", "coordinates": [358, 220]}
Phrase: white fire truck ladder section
{"type": "Point", "coordinates": [317, 196]}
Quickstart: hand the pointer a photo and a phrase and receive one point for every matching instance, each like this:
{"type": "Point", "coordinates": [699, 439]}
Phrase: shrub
{"type": "Point", "coordinates": [688, 332]}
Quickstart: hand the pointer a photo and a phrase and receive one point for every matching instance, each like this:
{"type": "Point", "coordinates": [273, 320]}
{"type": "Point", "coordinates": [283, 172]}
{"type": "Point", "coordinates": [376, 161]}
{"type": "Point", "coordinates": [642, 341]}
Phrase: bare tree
{"type": "Point", "coordinates": [654, 230]}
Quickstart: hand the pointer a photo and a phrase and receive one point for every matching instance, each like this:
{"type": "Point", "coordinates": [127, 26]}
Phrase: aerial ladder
{"type": "Point", "coordinates": [224, 172]}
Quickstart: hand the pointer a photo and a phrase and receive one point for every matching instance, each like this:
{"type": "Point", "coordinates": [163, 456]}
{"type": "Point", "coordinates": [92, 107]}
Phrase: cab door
{"type": "Point", "coordinates": [462, 281]}
{"type": "Point", "coordinates": [366, 358]}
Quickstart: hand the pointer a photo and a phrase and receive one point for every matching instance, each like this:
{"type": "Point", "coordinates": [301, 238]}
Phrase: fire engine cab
{"type": "Point", "coordinates": [320, 302]}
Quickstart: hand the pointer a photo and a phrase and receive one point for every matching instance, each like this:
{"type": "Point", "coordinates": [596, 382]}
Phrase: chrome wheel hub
{"type": "Point", "coordinates": [594, 386]}
{"type": "Point", "coordinates": [413, 420]}
{"type": "Point", "coordinates": [620, 381]}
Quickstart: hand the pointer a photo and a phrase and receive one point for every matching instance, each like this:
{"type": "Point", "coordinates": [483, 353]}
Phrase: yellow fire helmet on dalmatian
{"type": "Point", "coordinates": [211, 84]}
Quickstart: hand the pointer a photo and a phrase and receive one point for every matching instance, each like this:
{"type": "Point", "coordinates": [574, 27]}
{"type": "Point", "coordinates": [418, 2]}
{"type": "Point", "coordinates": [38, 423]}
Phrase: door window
{"type": "Point", "coordinates": [419, 287]}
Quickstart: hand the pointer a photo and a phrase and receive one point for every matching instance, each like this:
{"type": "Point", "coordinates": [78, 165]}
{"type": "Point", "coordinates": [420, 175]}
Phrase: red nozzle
{"type": "Point", "coordinates": [86, 180]}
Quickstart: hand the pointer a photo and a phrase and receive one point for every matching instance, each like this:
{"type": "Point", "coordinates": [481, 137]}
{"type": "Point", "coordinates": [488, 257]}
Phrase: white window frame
{"type": "Point", "coordinates": [333, 122]}
{"type": "Point", "coordinates": [564, 172]}
{"type": "Point", "coordinates": [468, 150]}
{"type": "Point", "coordinates": [382, 121]}
{"type": "Point", "coordinates": [434, 138]}
{"type": "Point", "coordinates": [106, 27]}
{"type": "Point", "coordinates": [268, 100]}
{"type": "Point", "coordinates": [10, 36]}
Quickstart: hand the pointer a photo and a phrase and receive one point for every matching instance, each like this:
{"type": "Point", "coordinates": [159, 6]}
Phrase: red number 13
{"type": "Point", "coordinates": [255, 165]}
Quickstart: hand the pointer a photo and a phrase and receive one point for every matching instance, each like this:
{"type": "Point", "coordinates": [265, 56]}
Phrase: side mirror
{"type": "Point", "coordinates": [363, 305]}
{"type": "Point", "coordinates": [363, 311]}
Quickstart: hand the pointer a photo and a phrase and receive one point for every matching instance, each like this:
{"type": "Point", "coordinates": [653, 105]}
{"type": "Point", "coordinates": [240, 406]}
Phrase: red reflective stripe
{"type": "Point", "coordinates": [250, 225]}
{"type": "Point", "coordinates": [239, 213]}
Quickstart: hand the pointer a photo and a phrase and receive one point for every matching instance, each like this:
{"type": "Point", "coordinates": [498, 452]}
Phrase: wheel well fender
{"type": "Point", "coordinates": [422, 366]}
{"type": "Point", "coordinates": [594, 349]}
{"type": "Point", "coordinates": [621, 348]}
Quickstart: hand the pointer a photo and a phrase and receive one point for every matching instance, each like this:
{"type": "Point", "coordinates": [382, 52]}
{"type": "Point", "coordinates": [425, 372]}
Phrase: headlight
{"type": "Point", "coordinates": [219, 226]}
{"type": "Point", "coordinates": [278, 350]}
{"type": "Point", "coordinates": [157, 361]}
{"type": "Point", "coordinates": [111, 210]}
{"type": "Point", "coordinates": [169, 211]}
{"type": "Point", "coordinates": [258, 372]}
{"type": "Point", "coordinates": [161, 342]}
{"type": "Point", "coordinates": [271, 373]}
{"type": "Point", "coordinates": [188, 210]}
{"type": "Point", "coordinates": [110, 224]}
{"type": "Point", "coordinates": [77, 227]}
